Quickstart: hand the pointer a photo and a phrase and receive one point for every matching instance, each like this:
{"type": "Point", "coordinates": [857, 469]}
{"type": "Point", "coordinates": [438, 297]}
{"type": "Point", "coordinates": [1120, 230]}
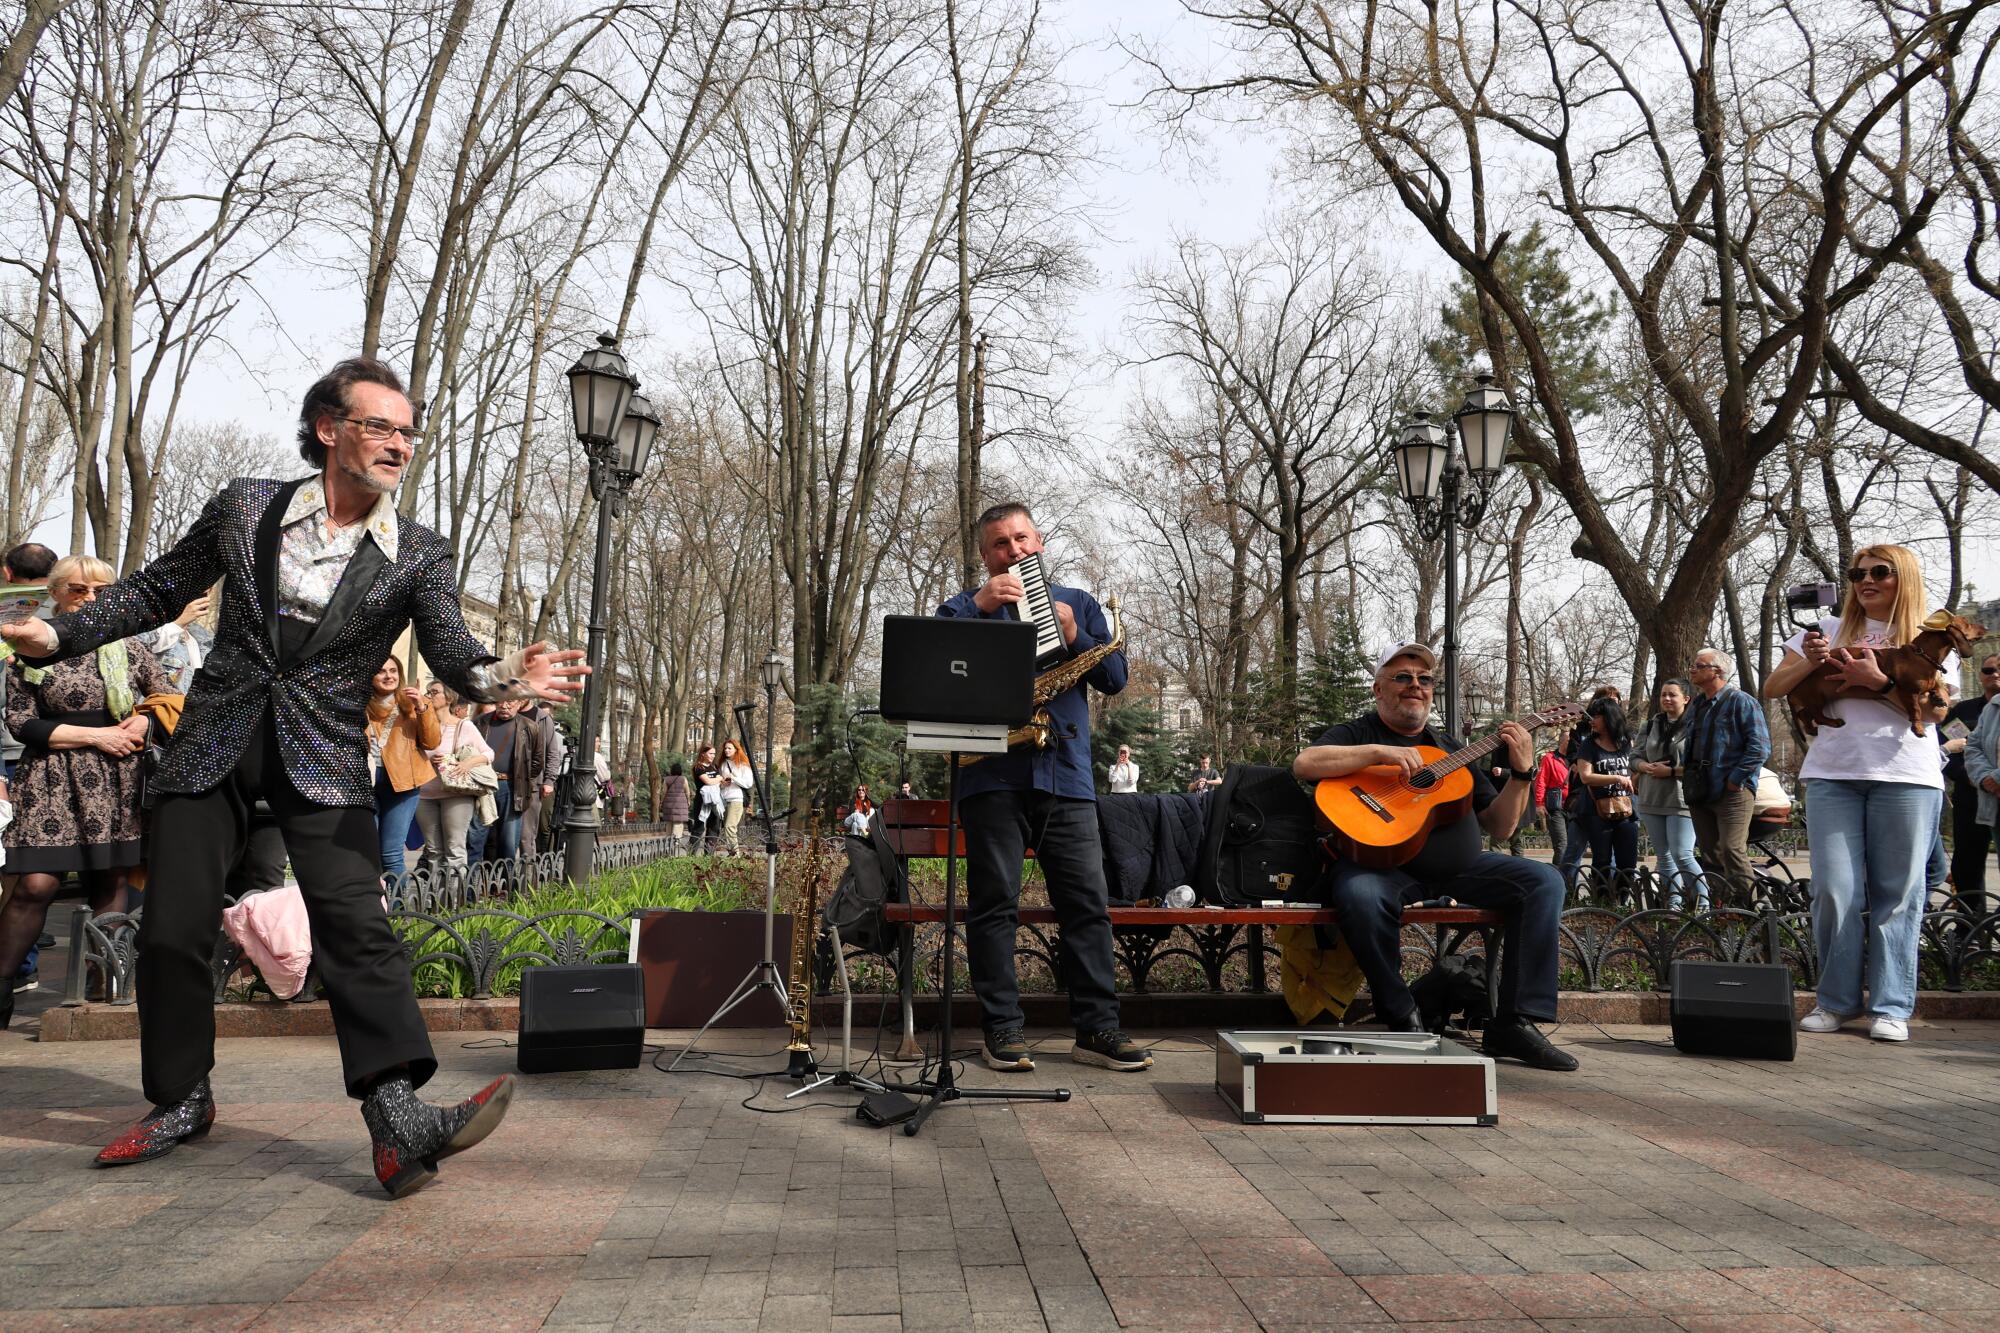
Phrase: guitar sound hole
{"type": "Point", "coordinates": [1421, 779]}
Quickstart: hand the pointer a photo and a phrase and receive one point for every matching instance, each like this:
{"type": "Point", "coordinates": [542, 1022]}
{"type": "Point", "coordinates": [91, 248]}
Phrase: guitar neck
{"type": "Point", "coordinates": [1478, 750]}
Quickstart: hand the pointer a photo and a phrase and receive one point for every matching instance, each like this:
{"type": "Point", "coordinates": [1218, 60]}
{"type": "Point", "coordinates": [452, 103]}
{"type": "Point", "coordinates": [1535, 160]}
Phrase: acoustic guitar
{"type": "Point", "coordinates": [1379, 818]}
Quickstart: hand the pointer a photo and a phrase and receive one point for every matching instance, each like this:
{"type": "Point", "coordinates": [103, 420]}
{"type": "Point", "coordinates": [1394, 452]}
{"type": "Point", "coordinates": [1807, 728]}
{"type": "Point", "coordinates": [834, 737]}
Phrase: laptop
{"type": "Point", "coordinates": [956, 670]}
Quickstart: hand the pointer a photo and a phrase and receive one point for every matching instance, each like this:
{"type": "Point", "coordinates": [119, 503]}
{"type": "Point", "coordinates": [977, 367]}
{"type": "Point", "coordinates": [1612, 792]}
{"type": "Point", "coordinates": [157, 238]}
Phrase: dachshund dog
{"type": "Point", "coordinates": [1913, 671]}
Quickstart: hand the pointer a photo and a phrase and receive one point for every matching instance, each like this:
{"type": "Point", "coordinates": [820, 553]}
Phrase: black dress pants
{"type": "Point", "coordinates": [1970, 843]}
{"type": "Point", "coordinates": [197, 842]}
{"type": "Point", "coordinates": [999, 828]}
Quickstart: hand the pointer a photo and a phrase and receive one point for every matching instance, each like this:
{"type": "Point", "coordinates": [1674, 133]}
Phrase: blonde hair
{"type": "Point", "coordinates": [89, 566]}
{"type": "Point", "coordinates": [1906, 616]}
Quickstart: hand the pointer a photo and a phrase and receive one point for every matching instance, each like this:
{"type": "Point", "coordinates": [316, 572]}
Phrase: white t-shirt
{"type": "Point", "coordinates": [1876, 743]}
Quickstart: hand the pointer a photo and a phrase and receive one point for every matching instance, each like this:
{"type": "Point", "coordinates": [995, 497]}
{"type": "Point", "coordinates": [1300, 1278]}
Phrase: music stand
{"type": "Point", "coordinates": [764, 974]}
{"type": "Point", "coordinates": [950, 730]}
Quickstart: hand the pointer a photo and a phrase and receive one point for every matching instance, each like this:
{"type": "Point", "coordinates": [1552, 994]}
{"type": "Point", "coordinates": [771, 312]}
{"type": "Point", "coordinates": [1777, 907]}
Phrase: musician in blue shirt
{"type": "Point", "coordinates": [1043, 799]}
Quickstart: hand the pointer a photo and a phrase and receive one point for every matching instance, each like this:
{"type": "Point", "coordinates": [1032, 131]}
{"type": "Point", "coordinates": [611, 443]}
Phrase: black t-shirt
{"type": "Point", "coordinates": [1452, 847]}
{"type": "Point", "coordinates": [1601, 760]}
{"type": "Point", "coordinates": [1966, 711]}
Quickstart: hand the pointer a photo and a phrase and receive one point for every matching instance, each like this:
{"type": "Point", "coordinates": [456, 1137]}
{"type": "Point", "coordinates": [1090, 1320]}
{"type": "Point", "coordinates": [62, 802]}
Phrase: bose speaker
{"type": "Point", "coordinates": [582, 1018]}
{"type": "Point", "coordinates": [1740, 1009]}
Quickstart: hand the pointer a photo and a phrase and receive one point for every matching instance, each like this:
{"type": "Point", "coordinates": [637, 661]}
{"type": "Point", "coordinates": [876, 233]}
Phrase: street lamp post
{"type": "Point", "coordinates": [1444, 496]}
{"type": "Point", "coordinates": [773, 671]}
{"type": "Point", "coordinates": [617, 428]}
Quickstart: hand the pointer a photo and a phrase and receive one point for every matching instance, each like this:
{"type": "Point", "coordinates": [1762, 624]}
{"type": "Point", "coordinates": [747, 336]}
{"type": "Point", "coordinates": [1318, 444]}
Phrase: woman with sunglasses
{"type": "Point", "coordinates": [1872, 789]}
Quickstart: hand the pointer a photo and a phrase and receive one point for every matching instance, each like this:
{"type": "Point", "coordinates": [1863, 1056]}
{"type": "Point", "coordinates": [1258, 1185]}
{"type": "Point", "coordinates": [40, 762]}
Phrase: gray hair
{"type": "Point", "coordinates": [1723, 661]}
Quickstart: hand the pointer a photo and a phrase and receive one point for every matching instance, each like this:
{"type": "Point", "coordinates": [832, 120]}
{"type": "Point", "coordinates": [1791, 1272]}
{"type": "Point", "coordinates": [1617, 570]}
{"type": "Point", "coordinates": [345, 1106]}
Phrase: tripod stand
{"type": "Point", "coordinates": [943, 1087]}
{"type": "Point", "coordinates": [764, 974]}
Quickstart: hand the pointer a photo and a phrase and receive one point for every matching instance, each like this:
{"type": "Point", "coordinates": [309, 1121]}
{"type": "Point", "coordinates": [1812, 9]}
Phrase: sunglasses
{"type": "Point", "coordinates": [1989, 671]}
{"type": "Point", "coordinates": [1425, 681]}
{"type": "Point", "coordinates": [1880, 573]}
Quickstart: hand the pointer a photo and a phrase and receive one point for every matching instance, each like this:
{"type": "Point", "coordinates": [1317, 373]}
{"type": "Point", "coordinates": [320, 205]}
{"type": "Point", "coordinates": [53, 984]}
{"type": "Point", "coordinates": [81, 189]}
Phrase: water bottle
{"type": "Point", "coordinates": [1181, 895]}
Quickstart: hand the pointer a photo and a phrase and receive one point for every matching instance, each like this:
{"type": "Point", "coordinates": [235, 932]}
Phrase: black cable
{"type": "Point", "coordinates": [746, 1075]}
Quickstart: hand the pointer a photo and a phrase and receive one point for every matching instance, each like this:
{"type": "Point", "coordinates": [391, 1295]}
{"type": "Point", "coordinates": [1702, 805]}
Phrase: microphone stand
{"type": "Point", "coordinates": [765, 974]}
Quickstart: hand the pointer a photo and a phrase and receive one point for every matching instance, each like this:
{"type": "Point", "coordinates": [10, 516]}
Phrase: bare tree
{"type": "Point", "coordinates": [1737, 222]}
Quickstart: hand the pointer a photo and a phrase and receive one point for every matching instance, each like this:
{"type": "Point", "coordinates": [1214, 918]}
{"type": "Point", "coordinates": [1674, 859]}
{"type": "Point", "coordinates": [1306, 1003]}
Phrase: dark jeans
{"type": "Point", "coordinates": [503, 835]}
{"type": "Point", "coordinates": [1613, 847]}
{"type": "Point", "coordinates": [1528, 894]}
{"type": "Point", "coordinates": [999, 828]}
{"type": "Point", "coordinates": [197, 842]}
{"type": "Point", "coordinates": [1970, 842]}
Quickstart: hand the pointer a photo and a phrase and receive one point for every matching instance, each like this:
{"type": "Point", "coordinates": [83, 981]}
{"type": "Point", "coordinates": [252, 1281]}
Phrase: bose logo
{"type": "Point", "coordinates": [585, 990]}
{"type": "Point", "coordinates": [958, 667]}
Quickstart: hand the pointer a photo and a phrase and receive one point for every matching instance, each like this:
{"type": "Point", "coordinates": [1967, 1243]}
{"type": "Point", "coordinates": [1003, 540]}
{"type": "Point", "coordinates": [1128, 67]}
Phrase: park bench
{"type": "Point", "coordinates": [916, 828]}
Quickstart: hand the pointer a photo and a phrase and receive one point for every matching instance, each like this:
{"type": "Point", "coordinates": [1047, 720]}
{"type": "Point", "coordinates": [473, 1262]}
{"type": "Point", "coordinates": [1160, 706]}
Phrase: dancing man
{"type": "Point", "coordinates": [320, 576]}
{"type": "Point", "coordinates": [1046, 799]}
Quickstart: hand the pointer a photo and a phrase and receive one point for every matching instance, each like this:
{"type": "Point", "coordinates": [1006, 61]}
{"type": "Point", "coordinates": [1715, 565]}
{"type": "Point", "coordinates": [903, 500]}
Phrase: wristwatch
{"type": "Point", "coordinates": [1521, 774]}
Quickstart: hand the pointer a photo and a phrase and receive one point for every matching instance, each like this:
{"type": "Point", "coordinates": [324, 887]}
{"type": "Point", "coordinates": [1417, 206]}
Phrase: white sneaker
{"type": "Point", "coordinates": [1823, 1020]}
{"type": "Point", "coordinates": [1889, 1029]}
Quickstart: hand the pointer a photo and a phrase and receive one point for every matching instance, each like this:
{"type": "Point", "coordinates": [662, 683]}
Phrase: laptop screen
{"type": "Point", "coordinates": [952, 669]}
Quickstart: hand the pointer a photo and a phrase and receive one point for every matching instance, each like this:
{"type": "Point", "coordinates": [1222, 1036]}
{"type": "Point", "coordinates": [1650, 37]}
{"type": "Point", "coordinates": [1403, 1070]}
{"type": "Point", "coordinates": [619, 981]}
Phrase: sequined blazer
{"type": "Point", "coordinates": [318, 696]}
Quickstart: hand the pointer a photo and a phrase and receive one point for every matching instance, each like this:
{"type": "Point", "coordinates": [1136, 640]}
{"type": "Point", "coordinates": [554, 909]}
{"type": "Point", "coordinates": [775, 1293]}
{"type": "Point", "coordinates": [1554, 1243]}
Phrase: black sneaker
{"type": "Point", "coordinates": [1110, 1049]}
{"type": "Point", "coordinates": [1007, 1051]}
{"type": "Point", "coordinates": [1523, 1041]}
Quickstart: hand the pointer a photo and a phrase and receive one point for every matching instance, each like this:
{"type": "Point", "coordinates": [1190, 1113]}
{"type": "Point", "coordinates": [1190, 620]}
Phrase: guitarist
{"type": "Point", "coordinates": [1370, 902]}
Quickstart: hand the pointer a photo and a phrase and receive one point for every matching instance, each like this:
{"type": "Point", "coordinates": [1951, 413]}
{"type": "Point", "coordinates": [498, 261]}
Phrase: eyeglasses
{"type": "Point", "coordinates": [1880, 573]}
{"type": "Point", "coordinates": [1704, 666]}
{"type": "Point", "coordinates": [1425, 681]}
{"type": "Point", "coordinates": [378, 431]}
{"type": "Point", "coordinates": [1989, 671]}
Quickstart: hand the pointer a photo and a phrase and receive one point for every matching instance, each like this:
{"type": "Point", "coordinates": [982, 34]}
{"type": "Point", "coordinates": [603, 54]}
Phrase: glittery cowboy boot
{"type": "Point", "coordinates": [411, 1135]}
{"type": "Point", "coordinates": [164, 1129]}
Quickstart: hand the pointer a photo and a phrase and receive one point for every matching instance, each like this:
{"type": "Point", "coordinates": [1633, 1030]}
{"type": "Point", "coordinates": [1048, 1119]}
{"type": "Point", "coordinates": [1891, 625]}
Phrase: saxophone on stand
{"type": "Point", "coordinates": [799, 979]}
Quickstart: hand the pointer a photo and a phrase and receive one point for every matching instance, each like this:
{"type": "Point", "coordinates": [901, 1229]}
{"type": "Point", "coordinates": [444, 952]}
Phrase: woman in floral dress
{"type": "Point", "coordinates": [76, 789]}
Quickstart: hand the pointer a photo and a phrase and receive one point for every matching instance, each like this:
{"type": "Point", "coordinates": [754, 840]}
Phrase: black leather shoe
{"type": "Point", "coordinates": [1521, 1040]}
{"type": "Point", "coordinates": [1409, 1022]}
{"type": "Point", "coordinates": [410, 1135]}
{"type": "Point", "coordinates": [164, 1129]}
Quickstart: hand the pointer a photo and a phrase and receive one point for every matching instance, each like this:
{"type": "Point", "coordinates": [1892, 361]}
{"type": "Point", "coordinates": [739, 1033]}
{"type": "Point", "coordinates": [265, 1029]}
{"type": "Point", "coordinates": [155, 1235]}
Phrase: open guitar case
{"type": "Point", "coordinates": [1261, 843]}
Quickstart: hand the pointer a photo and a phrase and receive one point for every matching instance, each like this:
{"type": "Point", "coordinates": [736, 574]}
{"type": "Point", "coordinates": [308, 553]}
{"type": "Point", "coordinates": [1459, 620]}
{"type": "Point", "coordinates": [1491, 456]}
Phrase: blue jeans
{"type": "Point", "coordinates": [395, 811]}
{"type": "Point", "coordinates": [1528, 894]}
{"type": "Point", "coordinates": [1672, 837]}
{"type": "Point", "coordinates": [503, 837]}
{"type": "Point", "coordinates": [1937, 869]}
{"type": "Point", "coordinates": [1869, 843]}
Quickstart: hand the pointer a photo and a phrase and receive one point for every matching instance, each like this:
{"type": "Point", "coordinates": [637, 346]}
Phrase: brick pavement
{"type": "Point", "coordinates": [1856, 1189]}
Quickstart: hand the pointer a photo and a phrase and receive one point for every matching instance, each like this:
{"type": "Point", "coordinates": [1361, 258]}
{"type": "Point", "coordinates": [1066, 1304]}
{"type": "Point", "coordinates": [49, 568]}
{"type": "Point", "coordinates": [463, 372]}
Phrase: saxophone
{"type": "Point", "coordinates": [798, 978]}
{"type": "Point", "coordinates": [1040, 729]}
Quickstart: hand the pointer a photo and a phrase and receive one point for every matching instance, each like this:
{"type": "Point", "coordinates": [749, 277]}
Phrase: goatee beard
{"type": "Point", "coordinates": [361, 477]}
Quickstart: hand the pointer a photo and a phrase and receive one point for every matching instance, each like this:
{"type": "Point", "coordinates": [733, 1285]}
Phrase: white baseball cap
{"type": "Point", "coordinates": [1396, 650]}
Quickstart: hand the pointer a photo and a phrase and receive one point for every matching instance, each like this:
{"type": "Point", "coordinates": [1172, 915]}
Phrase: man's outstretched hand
{"type": "Point", "coordinates": [31, 638]}
{"type": "Point", "coordinates": [553, 674]}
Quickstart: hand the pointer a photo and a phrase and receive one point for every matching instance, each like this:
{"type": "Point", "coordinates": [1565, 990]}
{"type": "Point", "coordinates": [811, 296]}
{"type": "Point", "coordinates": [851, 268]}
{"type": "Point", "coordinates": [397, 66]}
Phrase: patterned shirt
{"type": "Point", "coordinates": [311, 559]}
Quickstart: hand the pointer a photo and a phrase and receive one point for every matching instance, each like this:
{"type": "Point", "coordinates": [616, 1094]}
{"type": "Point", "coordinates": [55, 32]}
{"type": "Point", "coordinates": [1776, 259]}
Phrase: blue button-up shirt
{"type": "Point", "coordinates": [1064, 767]}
